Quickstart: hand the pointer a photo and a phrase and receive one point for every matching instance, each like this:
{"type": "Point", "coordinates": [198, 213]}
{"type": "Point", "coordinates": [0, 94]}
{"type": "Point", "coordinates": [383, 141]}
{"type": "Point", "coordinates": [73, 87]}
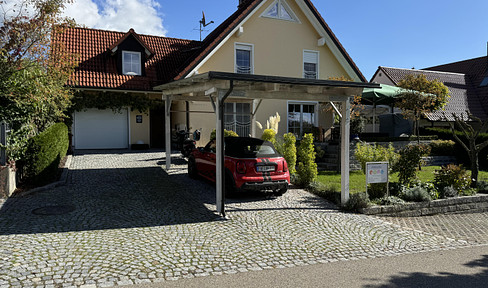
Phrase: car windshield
{"type": "Point", "coordinates": [243, 147]}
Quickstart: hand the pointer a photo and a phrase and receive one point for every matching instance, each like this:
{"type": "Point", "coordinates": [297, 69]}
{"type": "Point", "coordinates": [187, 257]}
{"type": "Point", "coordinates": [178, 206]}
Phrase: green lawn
{"type": "Point", "coordinates": [357, 179]}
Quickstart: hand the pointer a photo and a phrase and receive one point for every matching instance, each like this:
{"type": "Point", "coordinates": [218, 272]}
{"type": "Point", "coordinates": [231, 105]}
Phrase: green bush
{"type": "Point", "coordinates": [44, 153]}
{"type": "Point", "coordinates": [482, 186]}
{"type": "Point", "coordinates": [357, 201]}
{"type": "Point", "coordinates": [416, 194]}
{"type": "Point", "coordinates": [461, 154]}
{"type": "Point", "coordinates": [448, 192]}
{"type": "Point", "coordinates": [375, 153]}
{"type": "Point", "coordinates": [377, 190]}
{"type": "Point", "coordinates": [409, 162]}
{"type": "Point", "coordinates": [452, 175]}
{"type": "Point", "coordinates": [289, 151]}
{"type": "Point", "coordinates": [307, 168]}
{"type": "Point", "coordinates": [396, 188]}
{"type": "Point", "coordinates": [227, 133]}
{"type": "Point", "coordinates": [442, 148]}
{"type": "Point", "coordinates": [269, 135]}
{"type": "Point", "coordinates": [392, 200]}
{"type": "Point", "coordinates": [331, 193]}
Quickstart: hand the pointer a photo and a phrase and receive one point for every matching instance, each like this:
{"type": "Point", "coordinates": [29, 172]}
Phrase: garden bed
{"type": "Point", "coordinates": [477, 203]}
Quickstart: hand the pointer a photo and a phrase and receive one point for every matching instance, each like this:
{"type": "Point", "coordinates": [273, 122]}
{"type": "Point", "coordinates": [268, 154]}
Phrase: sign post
{"type": "Point", "coordinates": [377, 172]}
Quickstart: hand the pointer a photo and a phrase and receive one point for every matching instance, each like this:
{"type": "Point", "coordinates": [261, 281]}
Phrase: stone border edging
{"type": "Point", "coordinates": [61, 181]}
{"type": "Point", "coordinates": [442, 206]}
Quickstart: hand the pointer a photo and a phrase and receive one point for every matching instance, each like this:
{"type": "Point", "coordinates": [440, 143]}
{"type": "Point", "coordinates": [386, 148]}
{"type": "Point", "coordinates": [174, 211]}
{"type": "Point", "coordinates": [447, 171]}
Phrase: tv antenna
{"type": "Point", "coordinates": [203, 24]}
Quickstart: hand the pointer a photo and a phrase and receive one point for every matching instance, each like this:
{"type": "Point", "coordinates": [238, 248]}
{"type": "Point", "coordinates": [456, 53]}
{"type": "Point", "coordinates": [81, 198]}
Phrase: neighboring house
{"type": "Point", "coordinates": [466, 80]}
{"type": "Point", "coordinates": [265, 37]}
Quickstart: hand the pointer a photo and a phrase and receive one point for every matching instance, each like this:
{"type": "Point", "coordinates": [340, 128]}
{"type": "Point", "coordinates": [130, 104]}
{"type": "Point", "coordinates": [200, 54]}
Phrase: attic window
{"type": "Point", "coordinates": [484, 83]}
{"type": "Point", "coordinates": [280, 10]}
{"type": "Point", "coordinates": [131, 63]}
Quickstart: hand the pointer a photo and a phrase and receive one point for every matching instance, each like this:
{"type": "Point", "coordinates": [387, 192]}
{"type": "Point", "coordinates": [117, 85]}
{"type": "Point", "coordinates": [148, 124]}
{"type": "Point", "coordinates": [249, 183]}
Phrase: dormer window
{"type": "Point", "coordinates": [131, 63]}
{"type": "Point", "coordinates": [280, 10]}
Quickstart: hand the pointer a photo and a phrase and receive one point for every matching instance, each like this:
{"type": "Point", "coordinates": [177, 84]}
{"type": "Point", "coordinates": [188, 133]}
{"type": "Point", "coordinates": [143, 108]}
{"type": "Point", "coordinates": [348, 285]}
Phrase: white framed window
{"type": "Point", "coordinates": [237, 117]}
{"type": "Point", "coordinates": [310, 64]}
{"type": "Point", "coordinates": [302, 117]}
{"type": "Point", "coordinates": [244, 58]}
{"type": "Point", "coordinates": [131, 63]}
{"type": "Point", "coordinates": [280, 10]}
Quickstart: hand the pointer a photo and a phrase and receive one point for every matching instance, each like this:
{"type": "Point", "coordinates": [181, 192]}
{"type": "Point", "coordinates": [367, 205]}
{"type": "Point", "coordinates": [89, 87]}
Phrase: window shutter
{"type": "Point", "coordinates": [310, 57]}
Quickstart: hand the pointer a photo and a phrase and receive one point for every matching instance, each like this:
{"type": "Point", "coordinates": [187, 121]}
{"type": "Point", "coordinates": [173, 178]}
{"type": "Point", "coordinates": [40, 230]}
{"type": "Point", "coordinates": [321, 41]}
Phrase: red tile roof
{"type": "Point", "coordinates": [172, 59]}
{"type": "Point", "coordinates": [97, 67]}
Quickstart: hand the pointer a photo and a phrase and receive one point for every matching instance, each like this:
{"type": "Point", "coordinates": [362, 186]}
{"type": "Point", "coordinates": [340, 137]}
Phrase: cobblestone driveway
{"type": "Point", "coordinates": [134, 223]}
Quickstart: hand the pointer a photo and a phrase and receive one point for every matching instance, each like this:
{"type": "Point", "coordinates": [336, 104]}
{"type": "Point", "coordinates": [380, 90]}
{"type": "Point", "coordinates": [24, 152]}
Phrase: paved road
{"type": "Point", "coordinates": [466, 267]}
{"type": "Point", "coordinates": [133, 222]}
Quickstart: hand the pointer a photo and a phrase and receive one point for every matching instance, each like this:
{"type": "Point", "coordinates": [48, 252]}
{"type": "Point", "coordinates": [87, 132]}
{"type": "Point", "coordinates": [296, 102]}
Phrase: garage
{"type": "Point", "coordinates": [101, 129]}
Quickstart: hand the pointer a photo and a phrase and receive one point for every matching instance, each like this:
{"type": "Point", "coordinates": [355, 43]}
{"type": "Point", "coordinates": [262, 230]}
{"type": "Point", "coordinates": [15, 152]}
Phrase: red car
{"type": "Point", "coordinates": [250, 164]}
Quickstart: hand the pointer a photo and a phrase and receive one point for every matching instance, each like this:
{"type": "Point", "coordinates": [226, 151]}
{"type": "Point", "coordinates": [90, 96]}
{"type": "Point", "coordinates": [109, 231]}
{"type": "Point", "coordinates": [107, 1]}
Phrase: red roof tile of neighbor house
{"type": "Point", "coordinates": [97, 67]}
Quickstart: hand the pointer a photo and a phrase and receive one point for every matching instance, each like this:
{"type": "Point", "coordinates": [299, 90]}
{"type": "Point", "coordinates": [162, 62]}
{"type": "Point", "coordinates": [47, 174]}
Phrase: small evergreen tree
{"type": "Point", "coordinates": [307, 168]}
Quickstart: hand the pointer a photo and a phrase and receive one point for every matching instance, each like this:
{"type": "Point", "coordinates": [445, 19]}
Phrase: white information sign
{"type": "Point", "coordinates": [376, 172]}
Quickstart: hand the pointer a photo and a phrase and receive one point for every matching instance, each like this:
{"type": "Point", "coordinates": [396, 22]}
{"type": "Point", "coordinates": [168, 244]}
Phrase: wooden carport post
{"type": "Point", "coordinates": [167, 120]}
{"type": "Point", "coordinates": [345, 121]}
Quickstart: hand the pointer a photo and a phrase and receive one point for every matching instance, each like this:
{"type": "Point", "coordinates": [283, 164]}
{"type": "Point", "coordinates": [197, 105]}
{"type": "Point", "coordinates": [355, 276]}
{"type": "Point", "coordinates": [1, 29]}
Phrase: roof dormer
{"type": "Point", "coordinates": [131, 53]}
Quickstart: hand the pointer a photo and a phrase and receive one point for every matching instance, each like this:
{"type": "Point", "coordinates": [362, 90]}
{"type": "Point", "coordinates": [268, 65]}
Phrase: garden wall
{"type": "Point", "coordinates": [7, 182]}
{"type": "Point", "coordinates": [477, 203]}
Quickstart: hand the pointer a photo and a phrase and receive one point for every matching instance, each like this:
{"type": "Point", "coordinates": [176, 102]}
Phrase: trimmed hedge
{"type": "Point", "coordinates": [461, 155]}
{"type": "Point", "coordinates": [44, 153]}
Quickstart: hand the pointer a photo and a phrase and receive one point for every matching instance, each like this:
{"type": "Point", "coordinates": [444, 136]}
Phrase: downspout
{"type": "Point", "coordinates": [221, 106]}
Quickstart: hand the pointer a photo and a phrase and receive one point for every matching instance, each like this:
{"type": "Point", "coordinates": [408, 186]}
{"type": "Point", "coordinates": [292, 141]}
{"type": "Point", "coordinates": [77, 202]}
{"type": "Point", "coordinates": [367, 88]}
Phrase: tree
{"type": "Point", "coordinates": [34, 69]}
{"type": "Point", "coordinates": [471, 127]}
{"type": "Point", "coordinates": [421, 96]}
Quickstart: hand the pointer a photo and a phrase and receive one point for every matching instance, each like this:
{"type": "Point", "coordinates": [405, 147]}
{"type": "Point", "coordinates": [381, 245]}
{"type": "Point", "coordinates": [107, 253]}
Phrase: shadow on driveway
{"type": "Point", "coordinates": [107, 199]}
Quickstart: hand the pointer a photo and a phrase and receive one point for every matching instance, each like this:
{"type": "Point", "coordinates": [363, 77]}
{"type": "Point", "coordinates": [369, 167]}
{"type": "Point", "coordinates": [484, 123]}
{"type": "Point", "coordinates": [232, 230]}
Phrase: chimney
{"type": "Point", "coordinates": [241, 2]}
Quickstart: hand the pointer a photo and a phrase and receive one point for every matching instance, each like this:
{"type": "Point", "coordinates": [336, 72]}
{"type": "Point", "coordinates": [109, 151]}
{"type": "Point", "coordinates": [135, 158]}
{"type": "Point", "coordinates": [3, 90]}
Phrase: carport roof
{"type": "Point", "coordinates": [253, 86]}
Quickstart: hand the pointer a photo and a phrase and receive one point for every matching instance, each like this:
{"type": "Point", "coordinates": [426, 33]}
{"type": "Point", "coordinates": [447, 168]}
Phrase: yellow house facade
{"type": "Point", "coordinates": [277, 38]}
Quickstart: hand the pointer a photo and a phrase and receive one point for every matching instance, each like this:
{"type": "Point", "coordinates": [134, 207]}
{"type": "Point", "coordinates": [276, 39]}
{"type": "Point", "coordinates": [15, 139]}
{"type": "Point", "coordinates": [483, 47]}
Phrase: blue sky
{"type": "Point", "coordinates": [404, 34]}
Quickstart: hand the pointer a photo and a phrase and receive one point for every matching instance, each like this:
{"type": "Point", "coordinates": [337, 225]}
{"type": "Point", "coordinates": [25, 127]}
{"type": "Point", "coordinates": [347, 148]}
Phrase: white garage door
{"type": "Point", "coordinates": [101, 129]}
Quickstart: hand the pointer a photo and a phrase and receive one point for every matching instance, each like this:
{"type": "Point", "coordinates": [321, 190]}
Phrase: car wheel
{"type": "Point", "coordinates": [280, 192]}
{"type": "Point", "coordinates": [192, 169]}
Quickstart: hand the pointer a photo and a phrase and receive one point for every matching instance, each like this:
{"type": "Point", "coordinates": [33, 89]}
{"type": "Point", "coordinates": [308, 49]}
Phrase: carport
{"type": "Point", "coordinates": [217, 87]}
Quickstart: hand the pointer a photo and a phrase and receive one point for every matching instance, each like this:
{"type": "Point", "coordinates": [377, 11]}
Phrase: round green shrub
{"type": "Point", "coordinates": [409, 162]}
{"type": "Point", "coordinates": [416, 194]}
{"type": "Point", "coordinates": [452, 175]}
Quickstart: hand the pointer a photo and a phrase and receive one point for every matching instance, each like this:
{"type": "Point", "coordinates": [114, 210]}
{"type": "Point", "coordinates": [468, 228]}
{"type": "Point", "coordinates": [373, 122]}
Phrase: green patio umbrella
{"type": "Point", "coordinates": [386, 95]}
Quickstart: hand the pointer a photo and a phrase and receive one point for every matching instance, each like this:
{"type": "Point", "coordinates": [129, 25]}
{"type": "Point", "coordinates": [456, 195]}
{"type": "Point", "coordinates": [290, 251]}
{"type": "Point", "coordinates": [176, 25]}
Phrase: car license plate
{"type": "Point", "coordinates": [265, 168]}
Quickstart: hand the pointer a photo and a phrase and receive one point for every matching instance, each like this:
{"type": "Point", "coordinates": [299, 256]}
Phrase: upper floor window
{"type": "Point", "coordinates": [131, 63]}
{"type": "Point", "coordinates": [243, 59]}
{"type": "Point", "coordinates": [310, 64]}
{"type": "Point", "coordinates": [280, 10]}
